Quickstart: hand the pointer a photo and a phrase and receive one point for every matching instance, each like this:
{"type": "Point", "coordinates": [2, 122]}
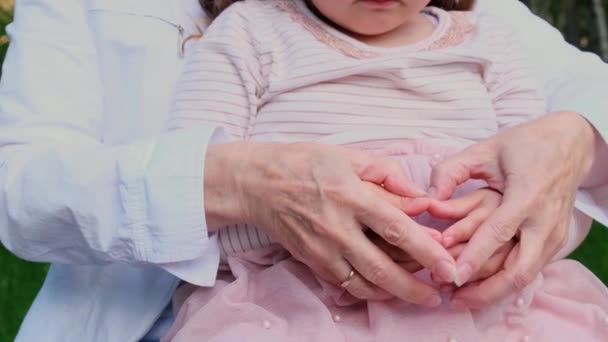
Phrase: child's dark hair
{"type": "Point", "coordinates": [213, 8]}
{"type": "Point", "coordinates": [454, 5]}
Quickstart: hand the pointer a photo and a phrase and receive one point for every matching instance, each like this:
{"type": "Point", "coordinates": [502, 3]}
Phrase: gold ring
{"type": "Point", "coordinates": [348, 279]}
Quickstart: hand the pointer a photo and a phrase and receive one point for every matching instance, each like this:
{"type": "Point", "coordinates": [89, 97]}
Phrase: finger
{"type": "Point", "coordinates": [452, 172]}
{"type": "Point", "coordinates": [463, 230]}
{"type": "Point", "coordinates": [377, 268]}
{"type": "Point", "coordinates": [480, 294]}
{"type": "Point", "coordinates": [411, 267]}
{"type": "Point", "coordinates": [534, 253]}
{"type": "Point", "coordinates": [457, 208]}
{"type": "Point", "coordinates": [495, 264]}
{"type": "Point", "coordinates": [377, 240]}
{"type": "Point", "coordinates": [434, 233]}
{"type": "Point", "coordinates": [338, 272]}
{"type": "Point", "coordinates": [401, 231]}
{"type": "Point", "coordinates": [363, 289]}
{"type": "Point", "coordinates": [393, 252]}
{"type": "Point", "coordinates": [454, 252]}
{"type": "Point", "coordinates": [410, 206]}
{"type": "Point", "coordinates": [386, 172]}
{"type": "Point", "coordinates": [499, 228]}
{"type": "Point", "coordinates": [512, 278]}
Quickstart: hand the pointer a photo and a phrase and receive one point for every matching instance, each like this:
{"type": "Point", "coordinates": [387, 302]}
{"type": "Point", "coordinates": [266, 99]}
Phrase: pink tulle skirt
{"type": "Point", "coordinates": [266, 295]}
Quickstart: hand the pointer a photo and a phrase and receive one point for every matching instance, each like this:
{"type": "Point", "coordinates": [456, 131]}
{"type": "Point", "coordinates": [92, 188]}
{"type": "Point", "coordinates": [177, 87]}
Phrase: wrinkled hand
{"type": "Point", "coordinates": [315, 200]}
{"type": "Point", "coordinates": [538, 166]}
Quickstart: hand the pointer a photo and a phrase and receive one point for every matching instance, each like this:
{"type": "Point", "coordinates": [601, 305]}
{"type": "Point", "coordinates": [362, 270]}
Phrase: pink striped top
{"type": "Point", "coordinates": [272, 71]}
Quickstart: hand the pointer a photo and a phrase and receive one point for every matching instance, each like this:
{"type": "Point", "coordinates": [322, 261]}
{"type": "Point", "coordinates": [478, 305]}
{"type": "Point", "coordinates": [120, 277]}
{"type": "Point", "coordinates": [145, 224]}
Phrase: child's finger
{"type": "Point", "coordinates": [496, 262]}
{"type": "Point", "coordinates": [411, 266]}
{"type": "Point", "coordinates": [435, 234]}
{"type": "Point", "coordinates": [456, 208]}
{"type": "Point", "coordinates": [393, 252]}
{"type": "Point", "coordinates": [456, 250]}
{"type": "Point", "coordinates": [463, 230]}
{"type": "Point", "coordinates": [410, 206]}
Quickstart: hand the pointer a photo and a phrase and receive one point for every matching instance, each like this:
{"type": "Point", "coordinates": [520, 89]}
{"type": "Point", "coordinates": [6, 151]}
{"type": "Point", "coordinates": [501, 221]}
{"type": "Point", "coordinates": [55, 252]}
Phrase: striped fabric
{"type": "Point", "coordinates": [271, 71]}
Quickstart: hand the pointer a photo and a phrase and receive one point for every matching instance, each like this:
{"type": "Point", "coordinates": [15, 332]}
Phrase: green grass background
{"type": "Point", "coordinates": [20, 280]}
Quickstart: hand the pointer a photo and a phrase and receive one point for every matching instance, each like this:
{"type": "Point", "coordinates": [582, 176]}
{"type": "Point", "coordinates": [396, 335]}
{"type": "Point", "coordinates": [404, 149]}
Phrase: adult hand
{"type": "Point", "coordinates": [316, 201]}
{"type": "Point", "coordinates": [538, 166]}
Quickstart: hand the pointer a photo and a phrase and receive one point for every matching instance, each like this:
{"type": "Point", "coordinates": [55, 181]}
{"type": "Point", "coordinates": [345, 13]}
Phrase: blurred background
{"type": "Point", "coordinates": [583, 23]}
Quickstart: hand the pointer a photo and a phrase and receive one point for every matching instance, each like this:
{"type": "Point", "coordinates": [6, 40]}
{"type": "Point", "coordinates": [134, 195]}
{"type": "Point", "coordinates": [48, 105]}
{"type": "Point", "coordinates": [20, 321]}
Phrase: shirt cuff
{"type": "Point", "coordinates": [163, 197]}
{"type": "Point", "coordinates": [201, 271]}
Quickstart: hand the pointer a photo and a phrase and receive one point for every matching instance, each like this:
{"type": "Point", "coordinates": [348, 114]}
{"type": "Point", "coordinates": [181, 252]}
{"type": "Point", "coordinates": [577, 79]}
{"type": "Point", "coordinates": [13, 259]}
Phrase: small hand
{"type": "Point", "coordinates": [470, 211]}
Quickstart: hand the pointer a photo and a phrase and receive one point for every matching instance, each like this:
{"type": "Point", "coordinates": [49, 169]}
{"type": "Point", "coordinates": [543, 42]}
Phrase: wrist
{"type": "Point", "coordinates": [596, 155]}
{"type": "Point", "coordinates": [223, 195]}
{"type": "Point", "coordinates": [588, 138]}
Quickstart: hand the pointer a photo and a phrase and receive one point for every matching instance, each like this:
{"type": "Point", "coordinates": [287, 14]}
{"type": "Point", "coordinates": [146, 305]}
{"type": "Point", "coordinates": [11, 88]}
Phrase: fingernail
{"type": "Point", "coordinates": [445, 271]}
{"type": "Point", "coordinates": [463, 274]}
{"type": "Point", "coordinates": [433, 301]}
{"type": "Point", "coordinates": [458, 305]}
{"type": "Point", "coordinates": [432, 193]}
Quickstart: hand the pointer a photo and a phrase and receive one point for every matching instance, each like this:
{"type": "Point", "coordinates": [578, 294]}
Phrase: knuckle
{"type": "Point", "coordinates": [522, 279]}
{"type": "Point", "coordinates": [378, 274]}
{"type": "Point", "coordinates": [395, 234]}
{"type": "Point", "coordinates": [502, 231]}
{"type": "Point", "coordinates": [490, 268]}
{"type": "Point", "coordinates": [485, 253]}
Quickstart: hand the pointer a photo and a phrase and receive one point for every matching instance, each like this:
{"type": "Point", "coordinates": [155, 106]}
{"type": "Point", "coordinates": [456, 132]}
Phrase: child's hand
{"type": "Point", "coordinates": [470, 210]}
{"type": "Point", "coordinates": [491, 267]}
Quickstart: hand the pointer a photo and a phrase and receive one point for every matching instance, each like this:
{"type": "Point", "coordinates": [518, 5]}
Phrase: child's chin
{"type": "Point", "coordinates": [374, 29]}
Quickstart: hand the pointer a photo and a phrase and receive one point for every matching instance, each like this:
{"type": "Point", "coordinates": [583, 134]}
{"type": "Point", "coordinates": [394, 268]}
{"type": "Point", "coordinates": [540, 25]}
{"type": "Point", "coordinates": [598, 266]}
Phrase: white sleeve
{"type": "Point", "coordinates": [573, 80]}
{"type": "Point", "coordinates": [64, 196]}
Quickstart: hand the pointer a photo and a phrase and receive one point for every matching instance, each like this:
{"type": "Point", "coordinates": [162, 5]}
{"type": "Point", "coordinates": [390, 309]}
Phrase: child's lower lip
{"type": "Point", "coordinates": [380, 4]}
